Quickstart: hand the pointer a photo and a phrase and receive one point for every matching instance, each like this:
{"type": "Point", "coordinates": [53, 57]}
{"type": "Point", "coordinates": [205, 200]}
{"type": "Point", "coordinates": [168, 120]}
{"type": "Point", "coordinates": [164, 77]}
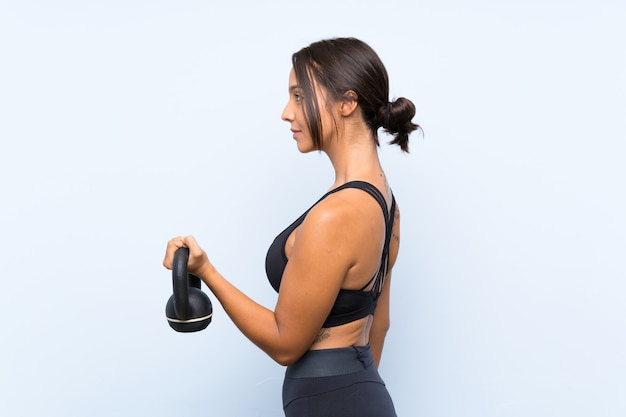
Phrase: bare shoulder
{"type": "Point", "coordinates": [347, 208]}
{"type": "Point", "coordinates": [343, 221]}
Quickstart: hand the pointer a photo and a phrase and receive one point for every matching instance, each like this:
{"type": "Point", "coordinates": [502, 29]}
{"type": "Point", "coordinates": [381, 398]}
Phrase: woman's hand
{"type": "Point", "coordinates": [198, 259]}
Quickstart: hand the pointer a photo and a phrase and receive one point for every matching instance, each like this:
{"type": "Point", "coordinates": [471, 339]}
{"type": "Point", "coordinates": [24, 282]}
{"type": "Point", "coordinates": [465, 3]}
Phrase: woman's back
{"type": "Point", "coordinates": [367, 243]}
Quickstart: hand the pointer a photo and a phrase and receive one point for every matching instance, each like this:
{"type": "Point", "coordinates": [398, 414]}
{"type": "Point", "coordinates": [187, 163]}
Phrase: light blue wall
{"type": "Point", "coordinates": [124, 123]}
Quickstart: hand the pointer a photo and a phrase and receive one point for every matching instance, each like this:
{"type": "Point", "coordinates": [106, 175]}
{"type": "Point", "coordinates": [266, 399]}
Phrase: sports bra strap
{"type": "Point", "coordinates": [379, 277]}
{"type": "Point", "coordinates": [371, 190]}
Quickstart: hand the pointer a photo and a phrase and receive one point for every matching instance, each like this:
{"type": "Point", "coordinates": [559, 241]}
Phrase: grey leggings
{"type": "Point", "coordinates": [336, 382]}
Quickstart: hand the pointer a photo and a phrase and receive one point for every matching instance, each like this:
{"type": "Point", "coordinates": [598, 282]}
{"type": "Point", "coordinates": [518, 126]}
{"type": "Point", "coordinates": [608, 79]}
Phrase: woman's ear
{"type": "Point", "coordinates": [349, 103]}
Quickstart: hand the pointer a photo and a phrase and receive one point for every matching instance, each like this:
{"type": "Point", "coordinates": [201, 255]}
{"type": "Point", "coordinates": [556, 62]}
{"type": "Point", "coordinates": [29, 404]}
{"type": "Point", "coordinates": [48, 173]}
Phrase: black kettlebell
{"type": "Point", "coordinates": [189, 309]}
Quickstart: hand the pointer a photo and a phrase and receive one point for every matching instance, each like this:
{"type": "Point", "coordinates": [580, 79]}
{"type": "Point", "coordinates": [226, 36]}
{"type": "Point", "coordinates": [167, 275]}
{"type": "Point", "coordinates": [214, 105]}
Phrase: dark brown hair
{"type": "Point", "coordinates": [343, 64]}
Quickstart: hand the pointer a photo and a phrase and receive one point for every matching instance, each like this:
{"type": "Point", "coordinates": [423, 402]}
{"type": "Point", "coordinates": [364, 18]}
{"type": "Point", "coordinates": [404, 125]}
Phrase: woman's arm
{"type": "Point", "coordinates": [382, 321]}
{"type": "Point", "coordinates": [323, 252]}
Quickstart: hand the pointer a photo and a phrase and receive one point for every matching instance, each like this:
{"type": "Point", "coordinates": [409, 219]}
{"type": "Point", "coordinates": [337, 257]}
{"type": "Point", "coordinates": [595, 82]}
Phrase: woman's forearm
{"type": "Point", "coordinates": [255, 321]}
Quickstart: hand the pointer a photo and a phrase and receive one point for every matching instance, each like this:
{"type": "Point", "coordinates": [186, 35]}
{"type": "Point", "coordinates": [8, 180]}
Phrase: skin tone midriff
{"type": "Point", "coordinates": [355, 333]}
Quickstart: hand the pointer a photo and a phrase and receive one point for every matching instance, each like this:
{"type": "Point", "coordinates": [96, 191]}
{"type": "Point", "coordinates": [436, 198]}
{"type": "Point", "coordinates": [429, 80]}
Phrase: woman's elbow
{"type": "Point", "coordinates": [286, 357]}
{"type": "Point", "coordinates": [285, 360]}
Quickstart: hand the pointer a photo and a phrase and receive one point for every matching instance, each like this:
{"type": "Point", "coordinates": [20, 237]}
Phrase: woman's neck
{"type": "Point", "coordinates": [354, 156]}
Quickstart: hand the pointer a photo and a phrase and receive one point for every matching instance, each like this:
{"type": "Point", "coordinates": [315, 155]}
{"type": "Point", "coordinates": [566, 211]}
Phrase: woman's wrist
{"type": "Point", "coordinates": [206, 272]}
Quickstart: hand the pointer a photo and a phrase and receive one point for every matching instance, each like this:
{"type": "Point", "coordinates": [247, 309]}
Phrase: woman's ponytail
{"type": "Point", "coordinates": [397, 121]}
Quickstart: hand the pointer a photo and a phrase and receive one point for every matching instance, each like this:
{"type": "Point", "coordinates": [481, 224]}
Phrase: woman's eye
{"type": "Point", "coordinates": [298, 96]}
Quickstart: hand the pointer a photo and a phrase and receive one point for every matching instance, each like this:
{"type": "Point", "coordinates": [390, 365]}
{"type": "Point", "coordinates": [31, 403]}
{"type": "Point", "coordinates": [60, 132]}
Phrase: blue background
{"type": "Point", "coordinates": [124, 123]}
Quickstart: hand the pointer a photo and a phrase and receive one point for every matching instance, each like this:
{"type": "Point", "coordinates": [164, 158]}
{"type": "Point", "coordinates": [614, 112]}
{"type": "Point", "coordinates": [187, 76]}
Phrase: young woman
{"type": "Point", "coordinates": [332, 266]}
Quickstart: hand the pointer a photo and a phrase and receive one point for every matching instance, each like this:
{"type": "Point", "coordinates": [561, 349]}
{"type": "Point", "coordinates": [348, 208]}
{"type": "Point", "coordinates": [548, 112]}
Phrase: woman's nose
{"type": "Point", "coordinates": [287, 115]}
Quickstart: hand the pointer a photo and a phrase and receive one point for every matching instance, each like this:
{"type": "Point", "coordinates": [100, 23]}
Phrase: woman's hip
{"type": "Point", "coordinates": [340, 382]}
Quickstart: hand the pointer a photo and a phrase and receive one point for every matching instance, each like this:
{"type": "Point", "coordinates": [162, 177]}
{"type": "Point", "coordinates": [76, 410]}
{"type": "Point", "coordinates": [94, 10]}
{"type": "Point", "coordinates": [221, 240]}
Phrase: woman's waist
{"type": "Point", "coordinates": [355, 333]}
{"type": "Point", "coordinates": [331, 362]}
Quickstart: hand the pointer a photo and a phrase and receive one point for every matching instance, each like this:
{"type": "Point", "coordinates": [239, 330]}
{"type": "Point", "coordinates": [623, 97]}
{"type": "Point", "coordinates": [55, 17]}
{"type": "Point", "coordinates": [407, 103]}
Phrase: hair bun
{"type": "Point", "coordinates": [397, 121]}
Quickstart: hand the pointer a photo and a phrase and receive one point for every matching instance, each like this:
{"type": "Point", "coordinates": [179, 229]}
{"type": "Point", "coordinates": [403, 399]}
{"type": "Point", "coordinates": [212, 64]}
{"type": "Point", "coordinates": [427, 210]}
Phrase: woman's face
{"type": "Point", "coordinates": [294, 114]}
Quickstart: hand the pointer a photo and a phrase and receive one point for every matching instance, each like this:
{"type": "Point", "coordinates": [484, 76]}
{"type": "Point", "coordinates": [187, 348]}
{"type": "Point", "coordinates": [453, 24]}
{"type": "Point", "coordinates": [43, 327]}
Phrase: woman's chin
{"type": "Point", "coordinates": [305, 148]}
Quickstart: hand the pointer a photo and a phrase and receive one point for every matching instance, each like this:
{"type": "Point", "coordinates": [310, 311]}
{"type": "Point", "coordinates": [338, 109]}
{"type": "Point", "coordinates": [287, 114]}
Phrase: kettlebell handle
{"type": "Point", "coordinates": [180, 282]}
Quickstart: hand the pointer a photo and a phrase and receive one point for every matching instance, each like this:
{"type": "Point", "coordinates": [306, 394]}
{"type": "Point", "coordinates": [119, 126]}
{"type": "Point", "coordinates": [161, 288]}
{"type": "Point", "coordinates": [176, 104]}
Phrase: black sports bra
{"type": "Point", "coordinates": [350, 305]}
